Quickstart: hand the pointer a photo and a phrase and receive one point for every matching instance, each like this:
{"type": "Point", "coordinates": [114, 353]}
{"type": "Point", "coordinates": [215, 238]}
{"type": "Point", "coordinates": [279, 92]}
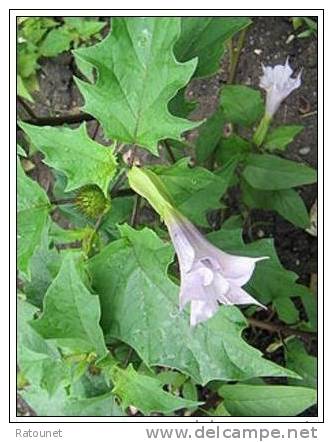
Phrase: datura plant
{"type": "Point", "coordinates": [109, 322]}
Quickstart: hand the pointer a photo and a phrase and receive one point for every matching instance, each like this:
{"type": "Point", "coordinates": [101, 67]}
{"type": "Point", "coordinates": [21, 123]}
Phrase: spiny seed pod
{"type": "Point", "coordinates": [91, 201]}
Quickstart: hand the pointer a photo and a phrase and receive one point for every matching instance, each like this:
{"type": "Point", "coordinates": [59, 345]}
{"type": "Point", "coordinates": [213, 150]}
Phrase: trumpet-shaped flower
{"type": "Point", "coordinates": [209, 277]}
{"type": "Point", "coordinates": [278, 84]}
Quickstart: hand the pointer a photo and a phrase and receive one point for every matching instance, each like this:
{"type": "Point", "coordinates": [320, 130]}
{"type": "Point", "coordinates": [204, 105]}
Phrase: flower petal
{"type": "Point", "coordinates": [236, 295]}
{"type": "Point", "coordinates": [202, 310]}
{"type": "Point", "coordinates": [183, 247]}
{"type": "Point", "coordinates": [238, 269]}
{"type": "Point", "coordinates": [194, 284]}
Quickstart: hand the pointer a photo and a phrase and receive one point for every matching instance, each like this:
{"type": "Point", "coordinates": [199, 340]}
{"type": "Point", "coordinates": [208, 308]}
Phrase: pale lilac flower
{"type": "Point", "coordinates": [209, 277]}
{"type": "Point", "coordinates": [278, 84]}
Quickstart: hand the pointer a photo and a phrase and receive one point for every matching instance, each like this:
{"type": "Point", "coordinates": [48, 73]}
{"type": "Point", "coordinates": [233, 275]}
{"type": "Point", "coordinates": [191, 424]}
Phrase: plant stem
{"type": "Point", "coordinates": [135, 213]}
{"type": "Point", "coordinates": [58, 121]}
{"type": "Point", "coordinates": [281, 329]}
{"type": "Point", "coordinates": [235, 54]}
{"type": "Point", "coordinates": [61, 201]}
{"type": "Point", "coordinates": [169, 150]}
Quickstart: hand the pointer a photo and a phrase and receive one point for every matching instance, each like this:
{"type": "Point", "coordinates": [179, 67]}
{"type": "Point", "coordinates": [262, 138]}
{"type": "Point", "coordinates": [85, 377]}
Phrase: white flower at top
{"type": "Point", "coordinates": [278, 84]}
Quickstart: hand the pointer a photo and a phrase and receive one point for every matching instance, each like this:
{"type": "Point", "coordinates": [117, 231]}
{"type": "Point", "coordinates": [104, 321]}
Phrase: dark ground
{"type": "Point", "coordinates": [266, 42]}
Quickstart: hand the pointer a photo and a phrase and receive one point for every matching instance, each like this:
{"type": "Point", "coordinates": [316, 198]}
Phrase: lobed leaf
{"type": "Point", "coordinates": [71, 313]}
{"type": "Point", "coordinates": [137, 75]}
{"type": "Point", "coordinates": [74, 153]}
{"type": "Point", "coordinates": [140, 307]}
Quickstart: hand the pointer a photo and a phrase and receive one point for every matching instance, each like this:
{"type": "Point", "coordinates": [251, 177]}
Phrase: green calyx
{"type": "Point", "coordinates": [91, 201]}
{"type": "Point", "coordinates": [147, 184]}
{"type": "Point", "coordinates": [260, 134]}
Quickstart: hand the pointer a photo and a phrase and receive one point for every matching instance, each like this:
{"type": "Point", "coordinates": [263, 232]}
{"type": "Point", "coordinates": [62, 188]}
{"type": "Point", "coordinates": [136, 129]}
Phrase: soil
{"type": "Point", "coordinates": [266, 42]}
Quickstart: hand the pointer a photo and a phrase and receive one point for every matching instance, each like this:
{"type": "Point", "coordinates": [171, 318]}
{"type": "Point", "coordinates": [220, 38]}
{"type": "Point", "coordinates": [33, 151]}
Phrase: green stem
{"type": "Point", "coordinates": [235, 54]}
{"type": "Point", "coordinates": [260, 134]}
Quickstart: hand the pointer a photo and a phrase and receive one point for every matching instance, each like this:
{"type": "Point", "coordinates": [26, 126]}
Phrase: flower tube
{"type": "Point", "coordinates": [209, 276]}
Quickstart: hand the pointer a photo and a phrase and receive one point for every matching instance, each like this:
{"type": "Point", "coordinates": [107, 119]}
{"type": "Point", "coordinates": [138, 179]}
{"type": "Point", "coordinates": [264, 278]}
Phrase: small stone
{"type": "Point", "coordinates": [260, 233]}
{"type": "Point", "coordinates": [258, 51]}
{"type": "Point", "coordinates": [298, 262]}
{"type": "Point", "coordinates": [304, 150]}
{"type": "Point", "coordinates": [290, 38]}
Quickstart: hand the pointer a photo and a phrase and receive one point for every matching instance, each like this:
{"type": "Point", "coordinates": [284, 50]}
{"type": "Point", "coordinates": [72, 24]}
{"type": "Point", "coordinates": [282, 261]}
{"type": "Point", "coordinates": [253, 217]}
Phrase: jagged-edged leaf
{"type": "Point", "coordinates": [73, 152]}
{"type": "Point", "coordinates": [140, 307]}
{"type": "Point", "coordinates": [33, 208]}
{"type": "Point", "coordinates": [269, 172]}
{"type": "Point", "coordinates": [287, 202]}
{"type": "Point", "coordinates": [266, 400]}
{"type": "Point", "coordinates": [137, 75]}
{"type": "Point", "coordinates": [195, 190]}
{"type": "Point", "coordinates": [71, 313]}
{"type": "Point", "coordinates": [38, 360]}
{"type": "Point", "coordinates": [146, 393]}
{"type": "Point", "coordinates": [205, 38]}
{"type": "Point", "coordinates": [301, 362]}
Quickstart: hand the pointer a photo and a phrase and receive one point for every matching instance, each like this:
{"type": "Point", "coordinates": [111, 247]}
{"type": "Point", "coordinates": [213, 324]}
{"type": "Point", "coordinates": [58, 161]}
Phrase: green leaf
{"type": "Point", "coordinates": [44, 267]}
{"type": "Point", "coordinates": [140, 307]}
{"type": "Point", "coordinates": [71, 313]}
{"type": "Point", "coordinates": [269, 172]}
{"type": "Point", "coordinates": [286, 202]}
{"type": "Point", "coordinates": [63, 147]}
{"type": "Point", "coordinates": [271, 280]}
{"type": "Point", "coordinates": [44, 404]}
{"type": "Point", "coordinates": [85, 28]}
{"type": "Point", "coordinates": [33, 208]}
{"type": "Point", "coordinates": [268, 400]}
{"type": "Point", "coordinates": [103, 405]}
{"type": "Point", "coordinates": [241, 104]}
{"type": "Point", "coordinates": [190, 391]}
{"type": "Point", "coordinates": [137, 77]}
{"type": "Point", "coordinates": [205, 38]}
{"type": "Point", "coordinates": [231, 148]}
{"type": "Point", "coordinates": [22, 89]}
{"type": "Point", "coordinates": [146, 393]}
{"type": "Point", "coordinates": [58, 40]}
{"type": "Point", "coordinates": [286, 310]}
{"type": "Point", "coordinates": [298, 360]}
{"type": "Point", "coordinates": [280, 137]}
{"type": "Point", "coordinates": [39, 361]}
{"type": "Point", "coordinates": [120, 212]}
{"type": "Point", "coordinates": [195, 190]}
{"type": "Point", "coordinates": [60, 404]}
{"type": "Point", "coordinates": [209, 135]}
